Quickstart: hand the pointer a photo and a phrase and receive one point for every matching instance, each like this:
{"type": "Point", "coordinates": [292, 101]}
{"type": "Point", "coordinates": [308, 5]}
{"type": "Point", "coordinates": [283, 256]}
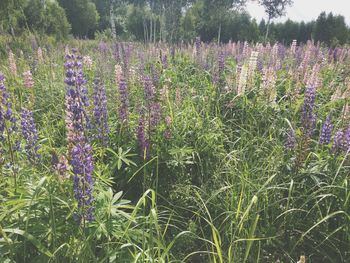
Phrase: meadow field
{"type": "Point", "coordinates": [126, 152]}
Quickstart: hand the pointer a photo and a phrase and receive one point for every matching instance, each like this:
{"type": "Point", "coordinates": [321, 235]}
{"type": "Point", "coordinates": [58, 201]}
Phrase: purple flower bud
{"type": "Point", "coordinates": [308, 118]}
{"type": "Point", "coordinates": [326, 132]}
{"type": "Point", "coordinates": [124, 101]}
{"type": "Point", "coordinates": [165, 62]}
{"type": "Point", "coordinates": [167, 134]}
{"type": "Point", "coordinates": [338, 141]}
{"type": "Point", "coordinates": [100, 112]}
{"type": "Point", "coordinates": [82, 164]}
{"type": "Point", "coordinates": [141, 137]}
{"type": "Point", "coordinates": [155, 115]}
{"type": "Point", "coordinates": [290, 141]}
{"type": "Point", "coordinates": [149, 89]}
{"type": "Point", "coordinates": [30, 135]}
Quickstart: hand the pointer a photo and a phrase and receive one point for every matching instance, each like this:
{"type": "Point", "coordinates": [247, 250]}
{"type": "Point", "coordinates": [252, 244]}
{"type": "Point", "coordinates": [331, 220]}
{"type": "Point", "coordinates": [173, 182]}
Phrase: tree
{"type": "Point", "coordinates": [46, 18]}
{"type": "Point", "coordinates": [56, 21]}
{"type": "Point", "coordinates": [213, 15]}
{"type": "Point", "coordinates": [11, 16]}
{"type": "Point", "coordinates": [82, 15]}
{"type": "Point", "coordinates": [274, 9]}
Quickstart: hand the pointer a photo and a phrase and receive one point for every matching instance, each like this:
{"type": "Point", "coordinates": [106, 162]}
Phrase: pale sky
{"type": "Point", "coordinates": [305, 10]}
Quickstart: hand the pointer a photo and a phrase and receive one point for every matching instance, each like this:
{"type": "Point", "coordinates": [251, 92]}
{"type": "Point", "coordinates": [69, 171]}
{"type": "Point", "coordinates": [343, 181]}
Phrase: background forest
{"type": "Point", "coordinates": [165, 20]}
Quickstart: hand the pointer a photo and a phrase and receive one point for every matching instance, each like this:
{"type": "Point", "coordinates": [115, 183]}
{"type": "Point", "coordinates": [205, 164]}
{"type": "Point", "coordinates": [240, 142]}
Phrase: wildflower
{"type": "Point", "coordinates": [242, 80]}
{"type": "Point", "coordinates": [30, 134]}
{"type": "Point", "coordinates": [28, 79]}
{"type": "Point", "coordinates": [269, 84]}
{"type": "Point", "coordinates": [118, 72]}
{"type": "Point", "coordinates": [313, 78]}
{"type": "Point", "coordinates": [126, 57]}
{"type": "Point", "coordinates": [338, 141]}
{"type": "Point", "coordinates": [346, 139]}
{"type": "Point", "coordinates": [291, 140]}
{"type": "Point", "coordinates": [103, 47]}
{"type": "Point", "coordinates": [87, 62]}
{"type": "Point", "coordinates": [221, 62]}
{"type": "Point", "coordinates": [167, 134]}
{"type": "Point", "coordinates": [141, 137]}
{"type": "Point", "coordinates": [100, 111]}
{"type": "Point", "coordinates": [76, 89]}
{"type": "Point", "coordinates": [326, 132]}
{"type": "Point", "coordinates": [124, 101]}
{"type": "Point", "coordinates": [60, 164]}
{"type": "Point", "coordinates": [12, 63]}
{"type": "Point", "coordinates": [82, 164]}
{"type": "Point", "coordinates": [155, 76]}
{"type": "Point", "coordinates": [117, 53]}
{"type": "Point", "coordinates": [155, 111]}
{"type": "Point", "coordinates": [253, 62]}
{"type": "Point", "coordinates": [40, 55]}
{"type": "Point", "coordinates": [149, 90]}
{"type": "Point", "coordinates": [293, 47]}
{"type": "Point", "coordinates": [6, 112]}
{"type": "Point", "coordinates": [197, 45]}
{"type": "Point", "coordinates": [168, 121]}
{"type": "Point", "coordinates": [165, 61]}
{"type": "Point", "coordinates": [308, 118]}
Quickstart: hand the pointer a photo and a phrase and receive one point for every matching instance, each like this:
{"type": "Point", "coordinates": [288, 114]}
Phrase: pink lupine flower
{"type": "Point", "coordinates": [12, 63]}
{"type": "Point", "coordinates": [28, 79]}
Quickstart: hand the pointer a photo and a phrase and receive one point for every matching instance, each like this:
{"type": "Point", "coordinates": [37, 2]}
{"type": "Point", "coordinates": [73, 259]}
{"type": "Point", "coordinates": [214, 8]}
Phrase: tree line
{"type": "Point", "coordinates": [165, 20]}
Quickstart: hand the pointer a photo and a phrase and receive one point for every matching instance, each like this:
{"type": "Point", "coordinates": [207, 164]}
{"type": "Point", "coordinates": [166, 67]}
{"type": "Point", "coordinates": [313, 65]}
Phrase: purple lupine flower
{"type": "Point", "coordinates": [3, 100]}
{"type": "Point", "coordinates": [326, 132]}
{"type": "Point", "coordinates": [100, 112]}
{"type": "Point", "coordinates": [149, 90]}
{"type": "Point", "coordinates": [30, 135]}
{"type": "Point", "coordinates": [155, 76]}
{"type": "Point", "coordinates": [291, 140]}
{"type": "Point", "coordinates": [155, 111]}
{"type": "Point", "coordinates": [80, 151]}
{"type": "Point", "coordinates": [338, 141]}
{"type": "Point", "coordinates": [2, 125]}
{"type": "Point", "coordinates": [142, 139]}
{"type": "Point", "coordinates": [124, 101]}
{"type": "Point", "coordinates": [103, 47]}
{"type": "Point", "coordinates": [76, 91]}
{"type": "Point", "coordinates": [308, 118]}
{"type": "Point", "coordinates": [167, 134]}
{"type": "Point", "coordinates": [346, 140]}
{"type": "Point", "coordinates": [6, 112]}
{"type": "Point", "coordinates": [126, 57]}
{"type": "Point", "coordinates": [61, 166]}
{"type": "Point", "coordinates": [165, 61]}
{"type": "Point", "coordinates": [82, 164]}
